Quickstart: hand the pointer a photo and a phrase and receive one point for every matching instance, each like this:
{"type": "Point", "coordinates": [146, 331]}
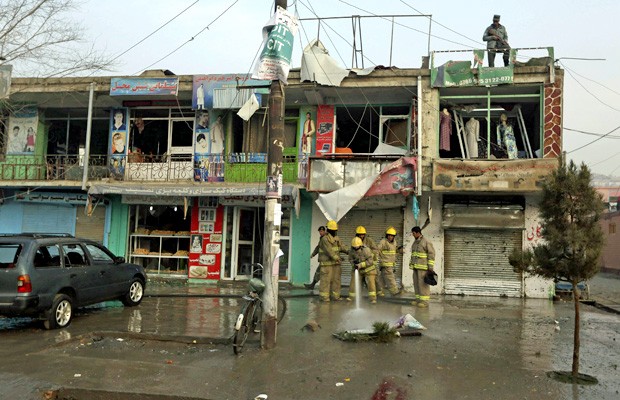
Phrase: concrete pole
{"type": "Point", "coordinates": [89, 124]}
{"type": "Point", "coordinates": [273, 208]}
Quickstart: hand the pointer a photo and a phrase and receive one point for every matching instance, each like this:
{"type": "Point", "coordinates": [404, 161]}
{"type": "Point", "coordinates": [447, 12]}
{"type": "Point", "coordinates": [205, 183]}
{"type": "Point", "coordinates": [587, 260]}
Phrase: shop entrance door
{"type": "Point", "coordinates": [247, 231]}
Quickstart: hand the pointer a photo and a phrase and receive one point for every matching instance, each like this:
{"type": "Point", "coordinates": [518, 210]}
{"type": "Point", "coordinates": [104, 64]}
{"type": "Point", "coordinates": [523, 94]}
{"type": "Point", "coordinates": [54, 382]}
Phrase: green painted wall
{"type": "Point", "coordinates": [117, 241]}
{"type": "Point", "coordinates": [300, 243]}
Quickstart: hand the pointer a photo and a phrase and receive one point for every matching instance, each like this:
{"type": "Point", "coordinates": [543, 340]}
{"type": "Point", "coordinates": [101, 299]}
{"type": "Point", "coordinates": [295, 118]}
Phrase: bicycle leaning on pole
{"type": "Point", "coordinates": [249, 319]}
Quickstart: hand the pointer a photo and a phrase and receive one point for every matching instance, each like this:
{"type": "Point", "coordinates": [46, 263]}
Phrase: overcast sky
{"type": "Point", "coordinates": [576, 29]}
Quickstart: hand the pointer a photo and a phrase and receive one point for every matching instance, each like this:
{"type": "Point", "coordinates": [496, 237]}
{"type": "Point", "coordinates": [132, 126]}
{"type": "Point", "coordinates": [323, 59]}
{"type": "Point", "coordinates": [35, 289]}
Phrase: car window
{"type": "Point", "coordinates": [9, 254]}
{"type": "Point", "coordinates": [74, 255]}
{"type": "Point", "coordinates": [98, 254]}
{"type": "Point", "coordinates": [47, 257]}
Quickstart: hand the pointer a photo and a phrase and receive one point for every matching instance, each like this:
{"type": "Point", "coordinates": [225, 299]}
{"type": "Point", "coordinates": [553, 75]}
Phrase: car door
{"type": "Point", "coordinates": [85, 280]}
{"type": "Point", "coordinates": [113, 277]}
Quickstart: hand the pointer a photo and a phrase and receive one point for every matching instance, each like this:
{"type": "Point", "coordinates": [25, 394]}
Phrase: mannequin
{"type": "Point", "coordinates": [445, 130]}
{"type": "Point", "coordinates": [472, 135]}
{"type": "Point", "coordinates": [506, 137]}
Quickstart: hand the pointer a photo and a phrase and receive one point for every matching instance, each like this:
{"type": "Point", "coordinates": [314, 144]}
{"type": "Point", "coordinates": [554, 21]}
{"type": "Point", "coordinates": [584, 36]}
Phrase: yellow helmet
{"type": "Point", "coordinates": [360, 230]}
{"type": "Point", "coordinates": [332, 225]}
{"type": "Point", "coordinates": [390, 231]}
{"type": "Point", "coordinates": [356, 242]}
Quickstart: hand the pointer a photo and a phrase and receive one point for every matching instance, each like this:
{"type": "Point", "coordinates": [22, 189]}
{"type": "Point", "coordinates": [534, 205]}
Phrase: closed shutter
{"type": "Point", "coordinates": [91, 227]}
{"type": "Point", "coordinates": [48, 218]}
{"type": "Point", "coordinates": [476, 262]}
{"type": "Point", "coordinates": [375, 222]}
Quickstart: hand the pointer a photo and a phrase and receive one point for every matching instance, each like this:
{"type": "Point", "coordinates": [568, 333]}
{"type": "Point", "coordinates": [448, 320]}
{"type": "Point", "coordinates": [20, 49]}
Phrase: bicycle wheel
{"type": "Point", "coordinates": [241, 335]}
{"type": "Point", "coordinates": [281, 308]}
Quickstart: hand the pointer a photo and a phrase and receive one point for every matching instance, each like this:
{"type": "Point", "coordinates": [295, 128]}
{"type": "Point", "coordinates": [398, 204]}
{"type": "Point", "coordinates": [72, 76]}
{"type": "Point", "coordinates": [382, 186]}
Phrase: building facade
{"type": "Point", "coordinates": [170, 171]}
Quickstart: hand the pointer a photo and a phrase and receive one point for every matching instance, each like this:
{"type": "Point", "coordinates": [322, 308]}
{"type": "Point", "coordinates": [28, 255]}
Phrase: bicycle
{"type": "Point", "coordinates": [249, 318]}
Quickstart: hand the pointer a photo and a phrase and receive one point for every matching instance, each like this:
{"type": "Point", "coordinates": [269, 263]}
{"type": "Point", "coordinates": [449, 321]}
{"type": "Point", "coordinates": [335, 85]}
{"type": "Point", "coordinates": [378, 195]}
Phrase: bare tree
{"type": "Point", "coordinates": [39, 38]}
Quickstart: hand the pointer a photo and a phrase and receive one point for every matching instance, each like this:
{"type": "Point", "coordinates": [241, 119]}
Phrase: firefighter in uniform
{"type": "Point", "coordinates": [422, 263]}
{"type": "Point", "coordinates": [330, 262]}
{"type": "Point", "coordinates": [387, 260]}
{"type": "Point", "coordinates": [317, 273]}
{"type": "Point", "coordinates": [362, 259]}
{"type": "Point", "coordinates": [360, 232]}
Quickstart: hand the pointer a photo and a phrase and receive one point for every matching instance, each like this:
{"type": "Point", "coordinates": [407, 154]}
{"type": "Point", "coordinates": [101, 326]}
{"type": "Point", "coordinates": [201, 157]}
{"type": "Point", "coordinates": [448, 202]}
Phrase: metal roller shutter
{"type": "Point", "coordinates": [91, 227]}
{"type": "Point", "coordinates": [476, 262]}
{"type": "Point", "coordinates": [375, 222]}
{"type": "Point", "coordinates": [48, 218]}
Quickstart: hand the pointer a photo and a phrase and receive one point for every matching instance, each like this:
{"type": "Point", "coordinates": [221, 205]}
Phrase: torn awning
{"type": "Point", "coordinates": [397, 177]}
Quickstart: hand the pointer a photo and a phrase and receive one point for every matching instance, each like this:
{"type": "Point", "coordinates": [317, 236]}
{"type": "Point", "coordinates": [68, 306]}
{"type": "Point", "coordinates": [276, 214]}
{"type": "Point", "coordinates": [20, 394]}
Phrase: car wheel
{"type": "Point", "coordinates": [59, 315]}
{"type": "Point", "coordinates": [135, 294]}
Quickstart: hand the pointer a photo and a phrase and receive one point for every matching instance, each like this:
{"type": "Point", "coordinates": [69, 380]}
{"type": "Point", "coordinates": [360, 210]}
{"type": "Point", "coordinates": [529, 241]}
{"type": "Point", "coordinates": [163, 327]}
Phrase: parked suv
{"type": "Point", "coordinates": [49, 276]}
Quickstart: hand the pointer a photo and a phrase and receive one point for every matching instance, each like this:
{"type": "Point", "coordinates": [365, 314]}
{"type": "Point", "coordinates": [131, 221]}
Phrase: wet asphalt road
{"type": "Point", "coordinates": [474, 348]}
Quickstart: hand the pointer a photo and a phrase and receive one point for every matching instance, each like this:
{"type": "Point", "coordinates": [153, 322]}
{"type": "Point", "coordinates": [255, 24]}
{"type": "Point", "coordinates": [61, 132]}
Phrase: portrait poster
{"type": "Point", "coordinates": [22, 131]}
{"type": "Point", "coordinates": [119, 120]}
{"type": "Point", "coordinates": [324, 129]}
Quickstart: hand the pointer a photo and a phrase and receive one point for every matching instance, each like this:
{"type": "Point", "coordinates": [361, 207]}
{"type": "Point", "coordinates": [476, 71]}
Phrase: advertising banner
{"type": "Point", "coordinates": [206, 239]}
{"type": "Point", "coordinates": [22, 131]}
{"type": "Point", "coordinates": [278, 36]}
{"type": "Point", "coordinates": [324, 129]}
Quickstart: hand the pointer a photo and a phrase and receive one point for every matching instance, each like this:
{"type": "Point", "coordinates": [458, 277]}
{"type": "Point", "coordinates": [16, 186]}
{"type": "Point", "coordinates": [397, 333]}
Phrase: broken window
{"type": "Point", "coordinates": [490, 123]}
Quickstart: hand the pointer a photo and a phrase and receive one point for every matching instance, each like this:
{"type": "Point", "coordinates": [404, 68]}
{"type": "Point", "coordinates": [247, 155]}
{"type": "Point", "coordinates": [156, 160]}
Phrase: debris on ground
{"type": "Point", "coordinates": [312, 326]}
{"type": "Point", "coordinates": [380, 332]}
{"type": "Point", "coordinates": [407, 321]}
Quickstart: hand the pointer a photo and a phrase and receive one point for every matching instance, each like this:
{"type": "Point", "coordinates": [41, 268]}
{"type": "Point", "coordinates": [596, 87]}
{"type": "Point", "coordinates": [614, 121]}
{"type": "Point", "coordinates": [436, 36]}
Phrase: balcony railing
{"type": "Point", "coordinates": [235, 167]}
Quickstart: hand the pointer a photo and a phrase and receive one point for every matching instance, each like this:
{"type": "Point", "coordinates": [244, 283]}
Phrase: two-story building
{"type": "Point", "coordinates": [165, 171]}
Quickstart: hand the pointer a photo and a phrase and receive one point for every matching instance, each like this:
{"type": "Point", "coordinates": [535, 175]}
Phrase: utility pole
{"type": "Point", "coordinates": [273, 207]}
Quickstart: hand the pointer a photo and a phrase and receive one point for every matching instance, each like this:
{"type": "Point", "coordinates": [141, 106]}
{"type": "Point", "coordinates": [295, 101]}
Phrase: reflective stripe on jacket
{"type": "Point", "coordinates": [329, 249]}
{"type": "Point", "coordinates": [422, 254]}
{"type": "Point", "coordinates": [364, 257]}
{"type": "Point", "coordinates": [387, 253]}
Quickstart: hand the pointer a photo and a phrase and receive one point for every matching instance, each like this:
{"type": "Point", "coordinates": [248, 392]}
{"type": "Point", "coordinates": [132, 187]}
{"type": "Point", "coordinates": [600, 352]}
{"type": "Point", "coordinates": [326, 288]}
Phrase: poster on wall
{"type": "Point", "coordinates": [22, 133]}
{"type": "Point", "coordinates": [119, 118]}
{"type": "Point", "coordinates": [208, 148]}
{"type": "Point", "coordinates": [325, 129]}
{"type": "Point", "coordinates": [206, 237]}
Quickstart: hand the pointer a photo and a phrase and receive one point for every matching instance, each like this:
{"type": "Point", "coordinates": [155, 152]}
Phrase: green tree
{"type": "Point", "coordinates": [570, 210]}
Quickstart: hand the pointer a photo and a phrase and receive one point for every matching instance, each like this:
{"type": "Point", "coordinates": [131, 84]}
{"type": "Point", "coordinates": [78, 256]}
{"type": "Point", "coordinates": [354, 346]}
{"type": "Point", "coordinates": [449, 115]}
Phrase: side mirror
{"type": "Point", "coordinates": [119, 260]}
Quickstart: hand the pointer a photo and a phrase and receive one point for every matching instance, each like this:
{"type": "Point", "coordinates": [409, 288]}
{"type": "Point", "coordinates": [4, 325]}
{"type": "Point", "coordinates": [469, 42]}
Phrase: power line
{"type": "Point", "coordinates": [590, 133]}
{"type": "Point", "coordinates": [440, 24]}
{"type": "Point", "coordinates": [586, 89]}
{"type": "Point", "coordinates": [585, 77]}
{"type": "Point", "coordinates": [594, 141]}
{"type": "Point", "coordinates": [189, 40]}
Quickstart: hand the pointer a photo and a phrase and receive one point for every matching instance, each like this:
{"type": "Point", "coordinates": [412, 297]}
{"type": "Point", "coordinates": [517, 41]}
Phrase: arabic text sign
{"type": "Point", "coordinates": [143, 86]}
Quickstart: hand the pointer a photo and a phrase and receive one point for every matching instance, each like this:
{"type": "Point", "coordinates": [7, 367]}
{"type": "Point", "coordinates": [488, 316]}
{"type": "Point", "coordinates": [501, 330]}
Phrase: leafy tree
{"type": "Point", "coordinates": [570, 210]}
{"type": "Point", "coordinates": [39, 38]}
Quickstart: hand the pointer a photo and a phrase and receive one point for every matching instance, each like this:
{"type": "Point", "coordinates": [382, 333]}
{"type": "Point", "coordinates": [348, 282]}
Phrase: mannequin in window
{"type": "Point", "coordinates": [506, 137]}
{"type": "Point", "coordinates": [472, 135]}
{"type": "Point", "coordinates": [445, 130]}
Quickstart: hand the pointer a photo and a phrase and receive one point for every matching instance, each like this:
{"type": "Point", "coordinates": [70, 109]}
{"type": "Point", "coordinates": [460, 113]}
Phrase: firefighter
{"type": "Point", "coordinates": [317, 273]}
{"type": "Point", "coordinates": [362, 259]}
{"type": "Point", "coordinates": [387, 260]}
{"type": "Point", "coordinates": [360, 232]}
{"type": "Point", "coordinates": [422, 263]}
{"type": "Point", "coordinates": [330, 262]}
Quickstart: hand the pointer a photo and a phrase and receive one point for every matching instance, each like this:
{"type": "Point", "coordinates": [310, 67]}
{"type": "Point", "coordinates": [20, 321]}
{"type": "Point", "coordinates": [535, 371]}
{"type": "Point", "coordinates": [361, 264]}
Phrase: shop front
{"type": "Point", "coordinates": [198, 232]}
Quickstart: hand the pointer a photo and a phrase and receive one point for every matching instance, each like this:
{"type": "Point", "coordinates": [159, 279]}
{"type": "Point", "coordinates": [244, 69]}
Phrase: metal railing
{"type": "Point", "coordinates": [234, 167]}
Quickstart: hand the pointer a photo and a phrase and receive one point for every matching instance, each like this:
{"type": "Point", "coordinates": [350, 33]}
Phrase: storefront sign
{"type": "Point", "coordinates": [22, 130]}
{"type": "Point", "coordinates": [204, 87]}
{"type": "Point", "coordinates": [119, 135]}
{"type": "Point", "coordinates": [325, 129]}
{"type": "Point", "coordinates": [205, 255]}
{"type": "Point", "coordinates": [398, 177]}
{"type": "Point", "coordinates": [144, 86]}
{"type": "Point", "coordinates": [493, 176]}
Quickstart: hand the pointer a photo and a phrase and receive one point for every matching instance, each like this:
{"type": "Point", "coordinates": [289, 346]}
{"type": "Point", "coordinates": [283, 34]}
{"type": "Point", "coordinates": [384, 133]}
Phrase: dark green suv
{"type": "Point", "coordinates": [47, 276]}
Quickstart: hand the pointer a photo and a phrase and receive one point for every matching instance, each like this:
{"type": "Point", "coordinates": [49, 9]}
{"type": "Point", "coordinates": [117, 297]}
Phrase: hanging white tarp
{"type": "Point", "coordinates": [336, 204]}
{"type": "Point", "coordinates": [318, 66]}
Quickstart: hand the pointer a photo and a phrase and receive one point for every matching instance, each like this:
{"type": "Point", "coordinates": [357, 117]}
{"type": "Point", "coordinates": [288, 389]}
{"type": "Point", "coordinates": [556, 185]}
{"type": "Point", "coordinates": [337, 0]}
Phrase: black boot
{"type": "Point", "coordinates": [310, 286]}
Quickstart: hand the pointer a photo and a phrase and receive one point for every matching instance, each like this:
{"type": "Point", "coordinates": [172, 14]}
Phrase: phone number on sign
{"type": "Point", "coordinates": [496, 79]}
